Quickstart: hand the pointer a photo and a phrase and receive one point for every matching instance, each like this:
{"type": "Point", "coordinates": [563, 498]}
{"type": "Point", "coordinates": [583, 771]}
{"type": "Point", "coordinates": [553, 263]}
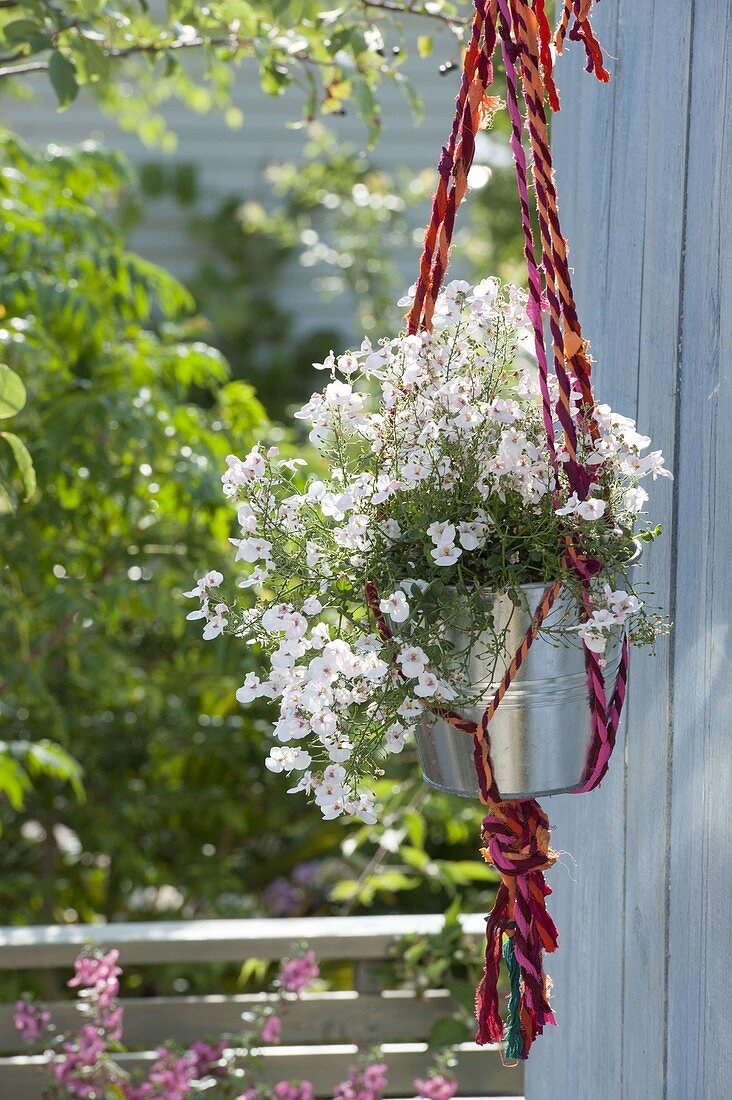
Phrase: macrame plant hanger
{"type": "Point", "coordinates": [516, 832]}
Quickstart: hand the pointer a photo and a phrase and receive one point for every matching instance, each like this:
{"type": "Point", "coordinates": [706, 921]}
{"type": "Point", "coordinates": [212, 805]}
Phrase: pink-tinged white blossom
{"type": "Point", "coordinates": [413, 661]}
{"type": "Point", "coordinates": [634, 499]}
{"type": "Point", "coordinates": [592, 508]}
{"type": "Point", "coordinates": [396, 736]}
{"type": "Point", "coordinates": [287, 759]}
{"type": "Point", "coordinates": [395, 606]}
{"type": "Point", "coordinates": [209, 580]}
{"type": "Point", "coordinates": [216, 622]}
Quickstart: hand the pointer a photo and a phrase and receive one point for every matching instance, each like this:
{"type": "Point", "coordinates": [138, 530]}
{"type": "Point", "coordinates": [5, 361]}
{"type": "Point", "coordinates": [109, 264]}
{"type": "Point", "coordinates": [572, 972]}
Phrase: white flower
{"type": "Point", "coordinates": [471, 535]}
{"type": "Point", "coordinates": [334, 773]}
{"type": "Point", "coordinates": [622, 604]}
{"type": "Point", "coordinates": [327, 364]}
{"type": "Point", "coordinates": [257, 577]}
{"type": "Point", "coordinates": [395, 606]}
{"type": "Point", "coordinates": [409, 584]}
{"type": "Point", "coordinates": [634, 498]}
{"type": "Point", "coordinates": [468, 418]}
{"type": "Point", "coordinates": [396, 735]}
{"type": "Point", "coordinates": [312, 606]}
{"type": "Point", "coordinates": [427, 685]}
{"type": "Point", "coordinates": [364, 809]}
{"type": "Point", "coordinates": [592, 508]}
{"type": "Point", "coordinates": [339, 747]}
{"type": "Point", "coordinates": [320, 635]}
{"type": "Point", "coordinates": [275, 618]}
{"type": "Point", "coordinates": [287, 759]}
{"type": "Point", "coordinates": [216, 623]}
{"type": "Point", "coordinates": [252, 549]}
{"type": "Point", "coordinates": [413, 660]}
{"type": "Point", "coordinates": [323, 723]}
{"type": "Point", "coordinates": [334, 809]}
{"type": "Point", "coordinates": [251, 689]}
{"type": "Point", "coordinates": [593, 636]}
{"type": "Point", "coordinates": [570, 508]}
{"type": "Point", "coordinates": [390, 528]}
{"type": "Point", "coordinates": [441, 531]}
{"type": "Point", "coordinates": [246, 518]}
{"type": "Point", "coordinates": [305, 783]}
{"type": "Point", "coordinates": [504, 410]}
{"type": "Point", "coordinates": [348, 363]}
{"type": "Point", "coordinates": [445, 554]}
{"type": "Point", "coordinates": [212, 579]}
{"type": "Point", "coordinates": [415, 471]}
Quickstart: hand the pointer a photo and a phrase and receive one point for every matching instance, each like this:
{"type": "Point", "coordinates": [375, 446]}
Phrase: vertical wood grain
{"type": "Point", "coordinates": [658, 314]}
{"type": "Point", "coordinates": [700, 944]}
{"type": "Point", "coordinates": [587, 902]}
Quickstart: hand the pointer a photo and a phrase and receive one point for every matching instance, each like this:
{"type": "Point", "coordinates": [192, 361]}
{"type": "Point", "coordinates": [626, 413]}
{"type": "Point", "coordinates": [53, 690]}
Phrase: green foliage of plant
{"type": "Point", "coordinates": [448, 960]}
{"type": "Point", "coordinates": [131, 55]}
{"type": "Point", "coordinates": [16, 460]}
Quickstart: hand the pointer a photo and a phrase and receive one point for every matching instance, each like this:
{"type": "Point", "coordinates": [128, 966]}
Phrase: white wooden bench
{"type": "Point", "coordinates": [321, 1033]}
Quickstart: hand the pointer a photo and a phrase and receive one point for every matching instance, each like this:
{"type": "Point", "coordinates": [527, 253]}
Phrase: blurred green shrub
{"type": "Point", "coordinates": [180, 818]}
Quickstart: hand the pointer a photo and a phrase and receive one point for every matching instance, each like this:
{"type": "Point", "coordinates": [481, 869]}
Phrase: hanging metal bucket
{"type": "Point", "coordinates": [540, 732]}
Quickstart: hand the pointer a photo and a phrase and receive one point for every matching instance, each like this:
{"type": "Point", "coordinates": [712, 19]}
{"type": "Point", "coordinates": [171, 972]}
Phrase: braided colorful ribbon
{"type": "Point", "coordinates": [516, 833]}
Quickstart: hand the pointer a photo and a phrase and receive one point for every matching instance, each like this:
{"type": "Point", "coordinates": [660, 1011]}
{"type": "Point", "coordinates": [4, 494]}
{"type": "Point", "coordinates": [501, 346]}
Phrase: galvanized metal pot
{"type": "Point", "coordinates": [540, 732]}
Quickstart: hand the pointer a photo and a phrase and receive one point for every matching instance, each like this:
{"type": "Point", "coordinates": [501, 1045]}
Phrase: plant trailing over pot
{"type": "Point", "coordinates": [376, 579]}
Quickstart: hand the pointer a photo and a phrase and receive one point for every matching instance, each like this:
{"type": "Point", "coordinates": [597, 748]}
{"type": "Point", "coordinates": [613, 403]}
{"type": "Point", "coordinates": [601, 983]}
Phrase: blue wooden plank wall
{"type": "Point", "coordinates": [643, 982]}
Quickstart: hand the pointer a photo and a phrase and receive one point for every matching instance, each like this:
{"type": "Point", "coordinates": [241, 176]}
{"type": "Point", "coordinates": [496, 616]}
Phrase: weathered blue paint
{"type": "Point", "coordinates": [643, 981]}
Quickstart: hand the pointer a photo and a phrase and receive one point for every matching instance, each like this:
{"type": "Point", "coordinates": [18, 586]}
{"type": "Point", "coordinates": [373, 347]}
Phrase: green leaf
{"type": "Point", "coordinates": [63, 78]}
{"type": "Point", "coordinates": [20, 30]}
{"type": "Point", "coordinates": [23, 461]}
{"type": "Point", "coordinates": [394, 880]}
{"type": "Point", "coordinates": [345, 890]}
{"type": "Point", "coordinates": [12, 392]}
{"type": "Point", "coordinates": [425, 43]}
{"type": "Point", "coordinates": [13, 779]}
{"type": "Point", "coordinates": [447, 1032]}
{"type": "Point", "coordinates": [462, 992]}
{"type": "Point", "coordinates": [253, 970]}
{"type": "Point", "coordinates": [368, 106]}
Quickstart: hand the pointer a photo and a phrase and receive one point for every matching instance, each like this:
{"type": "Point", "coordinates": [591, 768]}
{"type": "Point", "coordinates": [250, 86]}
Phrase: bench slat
{"type": "Point", "coordinates": [479, 1071]}
{"type": "Point", "coordinates": [218, 940]}
{"type": "Point", "coordinates": [339, 1017]}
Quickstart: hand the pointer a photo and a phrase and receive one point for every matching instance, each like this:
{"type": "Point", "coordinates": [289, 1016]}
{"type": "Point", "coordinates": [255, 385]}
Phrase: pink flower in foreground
{"type": "Point", "coordinates": [31, 1020]}
{"type": "Point", "coordinates": [172, 1075]}
{"type": "Point", "coordinates": [271, 1029]}
{"type": "Point", "coordinates": [204, 1058]}
{"type": "Point", "coordinates": [286, 1090]}
{"type": "Point", "coordinates": [367, 1085]}
{"type": "Point", "coordinates": [99, 974]}
{"type": "Point", "coordinates": [436, 1087]}
{"type": "Point", "coordinates": [295, 974]}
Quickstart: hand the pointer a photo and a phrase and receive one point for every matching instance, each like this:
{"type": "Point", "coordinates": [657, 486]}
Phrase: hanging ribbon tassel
{"type": "Point", "coordinates": [514, 1035]}
{"type": "Point", "coordinates": [516, 836]}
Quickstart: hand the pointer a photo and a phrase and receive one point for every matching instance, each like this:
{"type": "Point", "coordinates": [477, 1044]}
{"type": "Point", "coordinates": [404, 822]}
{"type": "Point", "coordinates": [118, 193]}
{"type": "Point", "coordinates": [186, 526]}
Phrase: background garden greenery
{"type": "Point", "coordinates": [131, 408]}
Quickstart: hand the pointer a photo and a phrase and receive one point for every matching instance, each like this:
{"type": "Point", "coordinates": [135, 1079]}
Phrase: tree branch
{"type": "Point", "coordinates": [186, 43]}
{"type": "Point", "coordinates": [411, 9]}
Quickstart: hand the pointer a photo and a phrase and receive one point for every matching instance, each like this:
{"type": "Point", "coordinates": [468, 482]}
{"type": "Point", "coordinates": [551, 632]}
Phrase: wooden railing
{"type": "Point", "coordinates": [321, 1034]}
